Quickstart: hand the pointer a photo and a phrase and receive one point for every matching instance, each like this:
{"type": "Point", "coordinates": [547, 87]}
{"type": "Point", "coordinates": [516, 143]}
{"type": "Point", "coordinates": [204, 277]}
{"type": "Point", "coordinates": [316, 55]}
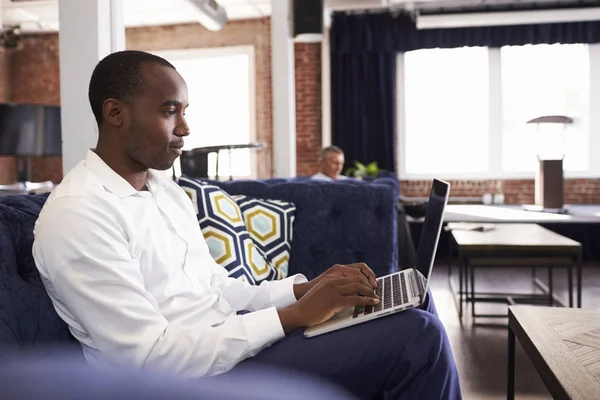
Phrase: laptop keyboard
{"type": "Point", "coordinates": [392, 292]}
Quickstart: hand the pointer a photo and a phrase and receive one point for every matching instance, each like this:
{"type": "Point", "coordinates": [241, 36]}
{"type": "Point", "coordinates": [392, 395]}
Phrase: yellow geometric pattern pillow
{"type": "Point", "coordinates": [226, 234]}
{"type": "Point", "coordinates": [271, 226]}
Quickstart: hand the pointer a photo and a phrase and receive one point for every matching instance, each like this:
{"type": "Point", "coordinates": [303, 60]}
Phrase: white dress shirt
{"type": "Point", "coordinates": [322, 177]}
{"type": "Point", "coordinates": [130, 273]}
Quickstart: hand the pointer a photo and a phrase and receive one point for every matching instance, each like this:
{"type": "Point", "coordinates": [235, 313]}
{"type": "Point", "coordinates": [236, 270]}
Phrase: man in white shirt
{"type": "Point", "coordinates": [124, 261]}
{"type": "Point", "coordinates": [332, 163]}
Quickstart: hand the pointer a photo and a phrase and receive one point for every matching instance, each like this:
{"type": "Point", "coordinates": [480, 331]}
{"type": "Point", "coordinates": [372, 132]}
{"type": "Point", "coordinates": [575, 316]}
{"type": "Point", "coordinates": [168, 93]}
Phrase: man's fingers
{"type": "Point", "coordinates": [351, 301]}
{"type": "Point", "coordinates": [357, 288]}
{"type": "Point", "coordinates": [364, 270]}
{"type": "Point", "coordinates": [349, 270]}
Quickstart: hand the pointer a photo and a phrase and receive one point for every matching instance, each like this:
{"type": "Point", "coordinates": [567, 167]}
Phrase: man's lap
{"type": "Point", "coordinates": [351, 355]}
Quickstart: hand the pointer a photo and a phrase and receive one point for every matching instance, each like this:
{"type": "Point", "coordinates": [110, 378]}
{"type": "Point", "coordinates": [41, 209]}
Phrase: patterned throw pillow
{"type": "Point", "coordinates": [223, 227]}
{"type": "Point", "coordinates": [270, 224]}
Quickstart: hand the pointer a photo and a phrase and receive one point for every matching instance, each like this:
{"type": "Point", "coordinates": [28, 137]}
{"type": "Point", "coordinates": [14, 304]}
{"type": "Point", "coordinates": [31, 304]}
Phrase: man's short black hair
{"type": "Point", "coordinates": [118, 76]}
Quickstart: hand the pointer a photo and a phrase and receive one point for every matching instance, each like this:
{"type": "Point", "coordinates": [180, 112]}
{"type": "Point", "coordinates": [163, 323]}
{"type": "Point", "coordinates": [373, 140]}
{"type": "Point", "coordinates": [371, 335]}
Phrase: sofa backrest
{"type": "Point", "coordinates": [336, 222]}
{"type": "Point", "coordinates": [27, 316]}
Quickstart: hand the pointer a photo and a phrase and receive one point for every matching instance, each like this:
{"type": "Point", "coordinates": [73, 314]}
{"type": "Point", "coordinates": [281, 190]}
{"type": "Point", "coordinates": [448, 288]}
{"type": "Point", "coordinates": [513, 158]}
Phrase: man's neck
{"type": "Point", "coordinates": [129, 170]}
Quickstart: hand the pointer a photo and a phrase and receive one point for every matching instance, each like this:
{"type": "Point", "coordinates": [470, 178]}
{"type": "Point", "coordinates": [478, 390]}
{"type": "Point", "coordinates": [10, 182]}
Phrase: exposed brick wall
{"type": "Point", "coordinates": [4, 74]}
{"type": "Point", "coordinates": [577, 191]}
{"type": "Point", "coordinates": [34, 71]}
{"type": "Point", "coordinates": [308, 107]}
{"type": "Point", "coordinates": [8, 170]}
{"type": "Point", "coordinates": [8, 165]}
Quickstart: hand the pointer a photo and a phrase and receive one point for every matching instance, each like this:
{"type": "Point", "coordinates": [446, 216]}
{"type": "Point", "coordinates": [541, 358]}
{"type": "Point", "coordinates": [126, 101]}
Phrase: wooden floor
{"type": "Point", "coordinates": [481, 351]}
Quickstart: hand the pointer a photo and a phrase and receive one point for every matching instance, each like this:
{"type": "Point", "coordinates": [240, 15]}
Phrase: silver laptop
{"type": "Point", "coordinates": [405, 289]}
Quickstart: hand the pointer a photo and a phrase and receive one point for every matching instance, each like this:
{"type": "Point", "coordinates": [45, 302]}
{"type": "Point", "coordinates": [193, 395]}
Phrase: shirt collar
{"type": "Point", "coordinates": [115, 183]}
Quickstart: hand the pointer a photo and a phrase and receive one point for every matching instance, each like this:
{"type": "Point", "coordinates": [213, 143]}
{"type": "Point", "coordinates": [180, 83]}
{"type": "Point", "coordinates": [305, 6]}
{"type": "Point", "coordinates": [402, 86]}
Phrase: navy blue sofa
{"type": "Point", "coordinates": [335, 223]}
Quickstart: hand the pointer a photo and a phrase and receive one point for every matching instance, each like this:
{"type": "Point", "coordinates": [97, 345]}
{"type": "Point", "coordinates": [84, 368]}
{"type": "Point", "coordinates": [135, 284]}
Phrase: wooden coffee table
{"type": "Point", "coordinates": [563, 345]}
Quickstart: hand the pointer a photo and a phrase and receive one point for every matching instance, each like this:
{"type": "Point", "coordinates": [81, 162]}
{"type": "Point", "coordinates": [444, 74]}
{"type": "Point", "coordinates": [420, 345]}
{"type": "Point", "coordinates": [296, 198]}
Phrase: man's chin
{"type": "Point", "coordinates": [162, 167]}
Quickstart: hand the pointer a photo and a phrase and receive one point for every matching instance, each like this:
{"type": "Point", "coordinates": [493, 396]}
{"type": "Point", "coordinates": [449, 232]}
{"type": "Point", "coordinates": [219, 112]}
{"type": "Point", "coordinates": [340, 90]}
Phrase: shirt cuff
{"type": "Point", "coordinates": [282, 291]}
{"type": "Point", "coordinates": [263, 328]}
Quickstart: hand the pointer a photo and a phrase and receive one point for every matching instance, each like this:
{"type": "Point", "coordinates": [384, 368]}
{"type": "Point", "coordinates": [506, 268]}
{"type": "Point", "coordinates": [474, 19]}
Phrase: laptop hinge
{"type": "Point", "coordinates": [420, 283]}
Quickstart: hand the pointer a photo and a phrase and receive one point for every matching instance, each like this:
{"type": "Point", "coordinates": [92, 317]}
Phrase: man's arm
{"type": "Point", "coordinates": [244, 296]}
{"type": "Point", "coordinates": [82, 250]}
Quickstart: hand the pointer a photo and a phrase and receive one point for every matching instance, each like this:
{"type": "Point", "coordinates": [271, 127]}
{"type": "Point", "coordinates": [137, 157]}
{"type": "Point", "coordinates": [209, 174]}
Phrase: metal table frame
{"type": "Point", "coordinates": [468, 263]}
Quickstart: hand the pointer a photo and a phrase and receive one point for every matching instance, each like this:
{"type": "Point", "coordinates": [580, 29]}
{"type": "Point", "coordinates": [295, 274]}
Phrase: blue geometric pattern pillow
{"type": "Point", "coordinates": [225, 232]}
{"type": "Point", "coordinates": [271, 225]}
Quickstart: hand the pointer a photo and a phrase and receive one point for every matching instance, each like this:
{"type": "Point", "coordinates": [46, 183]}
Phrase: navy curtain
{"type": "Point", "coordinates": [364, 107]}
{"type": "Point", "coordinates": [363, 71]}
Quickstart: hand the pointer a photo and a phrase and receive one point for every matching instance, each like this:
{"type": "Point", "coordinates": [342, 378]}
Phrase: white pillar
{"type": "Point", "coordinates": [89, 31]}
{"type": "Point", "coordinates": [284, 90]}
{"type": "Point", "coordinates": [326, 90]}
{"type": "Point", "coordinates": [594, 117]}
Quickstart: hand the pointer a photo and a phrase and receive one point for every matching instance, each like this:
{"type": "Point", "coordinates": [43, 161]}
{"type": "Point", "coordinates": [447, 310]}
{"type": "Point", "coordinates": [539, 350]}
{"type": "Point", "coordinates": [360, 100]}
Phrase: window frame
{"type": "Point", "coordinates": [213, 52]}
{"type": "Point", "coordinates": [495, 170]}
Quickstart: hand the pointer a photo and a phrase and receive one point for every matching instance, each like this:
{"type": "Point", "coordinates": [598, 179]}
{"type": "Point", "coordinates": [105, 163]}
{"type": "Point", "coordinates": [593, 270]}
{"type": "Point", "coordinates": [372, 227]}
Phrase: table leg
{"type": "Point", "coordinates": [550, 286]}
{"type": "Point", "coordinates": [510, 390]}
{"type": "Point", "coordinates": [460, 289]}
{"type": "Point", "coordinates": [472, 272]}
{"type": "Point", "coordinates": [570, 281]}
{"type": "Point", "coordinates": [449, 243]}
{"type": "Point", "coordinates": [579, 273]}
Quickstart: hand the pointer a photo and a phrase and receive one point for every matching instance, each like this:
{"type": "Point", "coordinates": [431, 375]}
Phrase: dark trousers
{"type": "Point", "coordinates": [402, 356]}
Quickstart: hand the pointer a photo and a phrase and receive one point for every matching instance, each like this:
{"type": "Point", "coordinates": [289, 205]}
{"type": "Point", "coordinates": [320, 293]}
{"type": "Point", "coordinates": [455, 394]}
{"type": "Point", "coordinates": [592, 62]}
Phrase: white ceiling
{"type": "Point", "coordinates": [42, 15]}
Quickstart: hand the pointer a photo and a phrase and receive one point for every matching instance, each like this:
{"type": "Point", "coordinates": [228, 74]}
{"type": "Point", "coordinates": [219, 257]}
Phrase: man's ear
{"type": "Point", "coordinates": [112, 111]}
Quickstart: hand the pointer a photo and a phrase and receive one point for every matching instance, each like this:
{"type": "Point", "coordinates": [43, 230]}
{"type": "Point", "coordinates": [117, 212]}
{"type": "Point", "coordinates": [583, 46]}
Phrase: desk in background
{"type": "Point", "coordinates": [581, 214]}
{"type": "Point", "coordinates": [581, 224]}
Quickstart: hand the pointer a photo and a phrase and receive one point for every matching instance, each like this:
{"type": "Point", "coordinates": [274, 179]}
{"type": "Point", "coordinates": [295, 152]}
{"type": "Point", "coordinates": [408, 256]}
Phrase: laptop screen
{"type": "Point", "coordinates": [432, 226]}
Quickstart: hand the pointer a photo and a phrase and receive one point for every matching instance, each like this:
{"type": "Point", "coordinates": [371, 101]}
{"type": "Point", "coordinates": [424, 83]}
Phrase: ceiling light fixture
{"type": "Point", "coordinates": [507, 18]}
{"type": "Point", "coordinates": [211, 14]}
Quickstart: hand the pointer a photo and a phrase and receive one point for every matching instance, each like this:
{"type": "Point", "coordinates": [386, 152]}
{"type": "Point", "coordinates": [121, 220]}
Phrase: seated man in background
{"type": "Point", "coordinates": [124, 261]}
{"type": "Point", "coordinates": [332, 163]}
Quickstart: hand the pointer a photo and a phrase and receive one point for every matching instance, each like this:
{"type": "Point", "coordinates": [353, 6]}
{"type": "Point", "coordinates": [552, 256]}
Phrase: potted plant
{"type": "Point", "coordinates": [362, 171]}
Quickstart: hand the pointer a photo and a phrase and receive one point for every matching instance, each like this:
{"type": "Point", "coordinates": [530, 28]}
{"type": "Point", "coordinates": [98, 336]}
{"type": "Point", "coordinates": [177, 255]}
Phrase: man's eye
{"type": "Point", "coordinates": [170, 113]}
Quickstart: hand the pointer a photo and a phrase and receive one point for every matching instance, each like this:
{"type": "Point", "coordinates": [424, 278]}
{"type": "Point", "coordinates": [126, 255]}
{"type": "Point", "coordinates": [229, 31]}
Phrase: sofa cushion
{"type": "Point", "coordinates": [270, 224]}
{"type": "Point", "coordinates": [223, 227]}
{"type": "Point", "coordinates": [27, 315]}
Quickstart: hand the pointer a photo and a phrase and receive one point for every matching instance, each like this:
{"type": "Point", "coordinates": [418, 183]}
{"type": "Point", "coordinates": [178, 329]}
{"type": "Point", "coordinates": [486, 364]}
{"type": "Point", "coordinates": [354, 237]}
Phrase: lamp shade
{"type": "Point", "coordinates": [551, 140]}
{"type": "Point", "coordinates": [30, 130]}
{"type": "Point", "coordinates": [552, 119]}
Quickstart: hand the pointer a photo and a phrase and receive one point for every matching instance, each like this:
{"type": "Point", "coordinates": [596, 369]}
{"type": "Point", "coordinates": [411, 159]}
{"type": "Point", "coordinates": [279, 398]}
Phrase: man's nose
{"type": "Point", "coordinates": [182, 129]}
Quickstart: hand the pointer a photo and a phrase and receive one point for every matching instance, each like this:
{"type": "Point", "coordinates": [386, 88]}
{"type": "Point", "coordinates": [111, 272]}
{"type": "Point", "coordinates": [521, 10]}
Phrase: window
{"type": "Point", "coordinates": [446, 111]}
{"type": "Point", "coordinates": [463, 112]}
{"type": "Point", "coordinates": [221, 95]}
{"type": "Point", "coordinates": [544, 80]}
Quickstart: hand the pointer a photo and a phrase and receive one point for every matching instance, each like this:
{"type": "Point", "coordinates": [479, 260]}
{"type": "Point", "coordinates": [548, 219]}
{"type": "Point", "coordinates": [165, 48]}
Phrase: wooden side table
{"type": "Point", "coordinates": [563, 345]}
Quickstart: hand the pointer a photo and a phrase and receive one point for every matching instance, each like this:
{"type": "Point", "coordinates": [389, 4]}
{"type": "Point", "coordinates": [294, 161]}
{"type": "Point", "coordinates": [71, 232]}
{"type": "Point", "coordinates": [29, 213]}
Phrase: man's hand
{"type": "Point", "coordinates": [329, 295]}
{"type": "Point", "coordinates": [360, 270]}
